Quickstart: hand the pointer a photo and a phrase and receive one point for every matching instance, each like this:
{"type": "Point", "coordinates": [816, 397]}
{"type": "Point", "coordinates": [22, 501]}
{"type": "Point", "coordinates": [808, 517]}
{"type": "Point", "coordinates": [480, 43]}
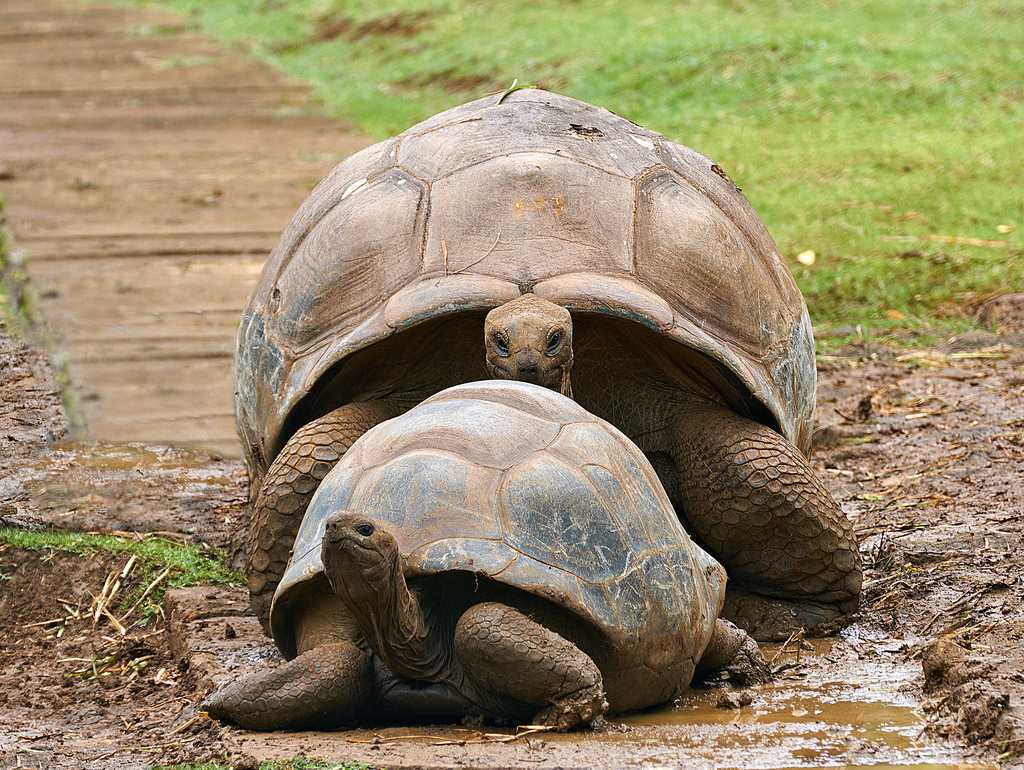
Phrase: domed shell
{"type": "Point", "coordinates": [519, 483]}
{"type": "Point", "coordinates": [540, 192]}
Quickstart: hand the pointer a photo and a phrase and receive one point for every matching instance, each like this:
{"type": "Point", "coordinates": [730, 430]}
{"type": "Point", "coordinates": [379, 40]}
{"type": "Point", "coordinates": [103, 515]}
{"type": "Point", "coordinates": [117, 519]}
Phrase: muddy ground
{"type": "Point", "coordinates": [924, 450]}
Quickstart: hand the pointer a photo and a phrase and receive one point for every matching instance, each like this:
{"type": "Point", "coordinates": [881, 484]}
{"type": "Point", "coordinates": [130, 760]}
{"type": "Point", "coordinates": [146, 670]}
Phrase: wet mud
{"type": "Point", "coordinates": [835, 707]}
{"type": "Point", "coordinates": [73, 693]}
{"type": "Point", "coordinates": [47, 480]}
{"type": "Point", "coordinates": [941, 539]}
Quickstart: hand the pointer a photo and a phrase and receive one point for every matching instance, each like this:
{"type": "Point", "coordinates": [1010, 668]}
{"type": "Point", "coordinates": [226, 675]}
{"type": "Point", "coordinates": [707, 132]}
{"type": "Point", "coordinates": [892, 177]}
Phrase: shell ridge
{"type": "Point", "coordinates": [531, 151]}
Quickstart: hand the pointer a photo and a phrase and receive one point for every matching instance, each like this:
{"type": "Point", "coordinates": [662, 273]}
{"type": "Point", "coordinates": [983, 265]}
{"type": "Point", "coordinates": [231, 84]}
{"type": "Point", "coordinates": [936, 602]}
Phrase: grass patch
{"type": "Point", "coordinates": [20, 318]}
{"type": "Point", "coordinates": [12, 314]}
{"type": "Point", "coordinates": [17, 304]}
{"type": "Point", "coordinates": [187, 564]}
{"type": "Point", "coordinates": [297, 763]}
{"type": "Point", "coordinates": [881, 136]}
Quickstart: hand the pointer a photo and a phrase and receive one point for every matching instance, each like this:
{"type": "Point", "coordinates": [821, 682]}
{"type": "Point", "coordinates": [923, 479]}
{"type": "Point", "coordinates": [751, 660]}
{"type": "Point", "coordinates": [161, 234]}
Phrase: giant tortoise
{"type": "Point", "coordinates": [616, 266]}
{"type": "Point", "coordinates": [495, 551]}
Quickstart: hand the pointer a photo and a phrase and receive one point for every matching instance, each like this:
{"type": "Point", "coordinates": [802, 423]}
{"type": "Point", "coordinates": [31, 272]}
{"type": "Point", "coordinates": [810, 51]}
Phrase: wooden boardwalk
{"type": "Point", "coordinates": [147, 172]}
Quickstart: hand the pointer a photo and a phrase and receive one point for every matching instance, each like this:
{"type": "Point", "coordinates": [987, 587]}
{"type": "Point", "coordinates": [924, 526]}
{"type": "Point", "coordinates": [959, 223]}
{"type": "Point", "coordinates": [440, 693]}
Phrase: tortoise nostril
{"type": "Point", "coordinates": [364, 529]}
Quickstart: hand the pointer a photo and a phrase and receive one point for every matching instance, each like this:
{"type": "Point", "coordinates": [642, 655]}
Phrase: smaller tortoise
{"type": "Point", "coordinates": [496, 551]}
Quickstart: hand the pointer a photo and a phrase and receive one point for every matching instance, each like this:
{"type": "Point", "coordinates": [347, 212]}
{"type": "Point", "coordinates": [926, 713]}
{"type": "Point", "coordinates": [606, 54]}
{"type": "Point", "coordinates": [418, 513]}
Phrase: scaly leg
{"type": "Point", "coordinates": [289, 485]}
{"type": "Point", "coordinates": [751, 498]}
{"type": "Point", "coordinates": [515, 660]}
{"type": "Point", "coordinates": [325, 687]}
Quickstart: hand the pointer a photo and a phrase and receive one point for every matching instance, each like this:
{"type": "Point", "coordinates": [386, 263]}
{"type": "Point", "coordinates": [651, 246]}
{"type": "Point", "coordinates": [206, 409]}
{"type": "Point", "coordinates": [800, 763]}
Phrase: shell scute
{"type": "Point", "coordinates": [550, 514]}
{"type": "Point", "coordinates": [526, 217]}
{"type": "Point", "coordinates": [367, 245]}
{"type": "Point", "coordinates": [487, 557]}
{"type": "Point", "coordinates": [474, 431]}
{"type": "Point", "coordinates": [691, 254]}
{"type": "Point", "coordinates": [428, 495]}
{"type": "Point", "coordinates": [537, 402]}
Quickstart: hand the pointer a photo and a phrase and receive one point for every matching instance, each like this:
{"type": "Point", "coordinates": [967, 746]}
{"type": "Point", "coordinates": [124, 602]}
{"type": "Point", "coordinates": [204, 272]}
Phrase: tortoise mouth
{"type": "Point", "coordinates": [546, 377]}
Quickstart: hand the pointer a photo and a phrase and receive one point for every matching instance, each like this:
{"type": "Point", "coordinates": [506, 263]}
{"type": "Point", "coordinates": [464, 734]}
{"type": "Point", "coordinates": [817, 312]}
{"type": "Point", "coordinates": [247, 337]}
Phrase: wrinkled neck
{"type": "Point", "coordinates": [566, 387]}
{"type": "Point", "coordinates": [395, 627]}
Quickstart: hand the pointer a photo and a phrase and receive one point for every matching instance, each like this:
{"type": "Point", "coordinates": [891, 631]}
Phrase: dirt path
{"type": "Point", "coordinates": [147, 173]}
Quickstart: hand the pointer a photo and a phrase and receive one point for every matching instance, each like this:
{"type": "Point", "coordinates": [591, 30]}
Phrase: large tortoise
{"type": "Point", "coordinates": [602, 250]}
{"type": "Point", "coordinates": [496, 551]}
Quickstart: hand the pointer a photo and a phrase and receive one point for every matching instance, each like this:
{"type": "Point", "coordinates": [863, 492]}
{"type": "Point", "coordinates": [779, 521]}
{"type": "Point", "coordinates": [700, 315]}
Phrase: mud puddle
{"type": "Point", "coordinates": [843, 702]}
{"type": "Point", "coordinates": [863, 715]}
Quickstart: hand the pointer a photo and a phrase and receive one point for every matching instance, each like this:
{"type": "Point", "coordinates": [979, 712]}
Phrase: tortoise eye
{"type": "Point", "coordinates": [364, 529]}
{"type": "Point", "coordinates": [501, 344]}
{"type": "Point", "coordinates": [554, 341]}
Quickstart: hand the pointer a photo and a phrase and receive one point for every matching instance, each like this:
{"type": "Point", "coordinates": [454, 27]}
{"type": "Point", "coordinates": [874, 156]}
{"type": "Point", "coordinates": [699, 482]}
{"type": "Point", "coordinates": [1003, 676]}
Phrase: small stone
{"type": "Point", "coordinates": [730, 699]}
{"type": "Point", "coordinates": [245, 762]}
{"type": "Point", "coordinates": [229, 631]}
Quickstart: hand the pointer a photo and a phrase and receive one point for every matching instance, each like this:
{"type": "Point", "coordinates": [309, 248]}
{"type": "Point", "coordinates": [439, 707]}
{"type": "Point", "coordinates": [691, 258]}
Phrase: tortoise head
{"type": "Point", "coordinates": [530, 339]}
{"type": "Point", "coordinates": [361, 560]}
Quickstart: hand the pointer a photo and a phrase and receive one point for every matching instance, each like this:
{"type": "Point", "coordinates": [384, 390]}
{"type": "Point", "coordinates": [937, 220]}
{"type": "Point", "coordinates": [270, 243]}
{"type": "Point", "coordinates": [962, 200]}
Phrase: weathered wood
{"type": "Point", "coordinates": [146, 177]}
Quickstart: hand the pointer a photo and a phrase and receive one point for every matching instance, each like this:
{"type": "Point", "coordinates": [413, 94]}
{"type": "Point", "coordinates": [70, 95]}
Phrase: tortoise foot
{"type": "Point", "coordinates": [573, 710]}
{"type": "Point", "coordinates": [514, 661]}
{"type": "Point", "coordinates": [770, 619]}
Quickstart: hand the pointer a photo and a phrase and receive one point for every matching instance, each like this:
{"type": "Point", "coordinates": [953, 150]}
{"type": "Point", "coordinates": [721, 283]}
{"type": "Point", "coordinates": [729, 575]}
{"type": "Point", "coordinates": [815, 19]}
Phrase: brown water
{"type": "Point", "coordinates": [848, 703]}
{"type": "Point", "coordinates": [847, 707]}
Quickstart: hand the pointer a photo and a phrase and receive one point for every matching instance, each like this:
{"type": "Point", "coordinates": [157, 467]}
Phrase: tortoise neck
{"type": "Point", "coordinates": [399, 632]}
{"type": "Point", "coordinates": [566, 388]}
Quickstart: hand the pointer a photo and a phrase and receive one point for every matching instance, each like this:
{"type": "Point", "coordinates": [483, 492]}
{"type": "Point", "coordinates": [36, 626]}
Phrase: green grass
{"type": "Point", "coordinates": [17, 303]}
{"type": "Point", "coordinates": [867, 132]}
{"type": "Point", "coordinates": [298, 763]}
{"type": "Point", "coordinates": [187, 564]}
{"type": "Point", "coordinates": [9, 315]}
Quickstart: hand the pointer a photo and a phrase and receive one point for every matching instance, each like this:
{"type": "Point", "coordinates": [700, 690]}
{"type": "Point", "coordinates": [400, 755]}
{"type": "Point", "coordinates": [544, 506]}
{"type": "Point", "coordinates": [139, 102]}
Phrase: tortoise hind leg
{"type": "Point", "coordinates": [752, 499]}
{"type": "Point", "coordinates": [521, 668]}
{"type": "Point", "coordinates": [289, 485]}
{"type": "Point", "coordinates": [327, 686]}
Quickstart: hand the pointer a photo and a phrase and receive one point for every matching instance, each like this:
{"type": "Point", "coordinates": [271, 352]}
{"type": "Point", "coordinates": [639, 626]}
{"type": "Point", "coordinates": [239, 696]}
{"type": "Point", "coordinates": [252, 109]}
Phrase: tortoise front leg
{"type": "Point", "coordinates": [752, 499]}
{"type": "Point", "coordinates": [327, 686]}
{"type": "Point", "coordinates": [289, 485]}
{"type": "Point", "coordinates": [732, 649]}
{"type": "Point", "coordinates": [520, 668]}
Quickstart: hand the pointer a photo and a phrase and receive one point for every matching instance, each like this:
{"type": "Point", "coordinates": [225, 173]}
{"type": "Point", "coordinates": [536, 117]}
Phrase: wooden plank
{"type": "Point", "coordinates": [146, 178]}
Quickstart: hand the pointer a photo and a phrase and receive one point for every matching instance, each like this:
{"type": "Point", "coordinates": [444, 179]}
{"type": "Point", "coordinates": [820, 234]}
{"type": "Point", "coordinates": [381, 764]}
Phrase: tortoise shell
{"type": "Point", "coordinates": [520, 484]}
{"type": "Point", "coordinates": [534, 192]}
